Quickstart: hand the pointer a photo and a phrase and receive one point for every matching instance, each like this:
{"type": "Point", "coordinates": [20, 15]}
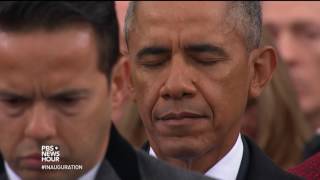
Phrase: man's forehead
{"type": "Point", "coordinates": [182, 17]}
{"type": "Point", "coordinates": [180, 11]}
{"type": "Point", "coordinates": [47, 57]}
{"type": "Point", "coordinates": [43, 46]}
{"type": "Point", "coordinates": [185, 23]}
{"type": "Point", "coordinates": [82, 31]}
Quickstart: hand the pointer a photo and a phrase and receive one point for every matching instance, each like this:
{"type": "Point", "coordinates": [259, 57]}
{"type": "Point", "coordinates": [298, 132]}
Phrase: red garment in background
{"type": "Point", "coordinates": [309, 169]}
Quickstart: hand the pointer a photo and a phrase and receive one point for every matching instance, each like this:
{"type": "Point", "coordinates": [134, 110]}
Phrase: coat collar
{"type": "Point", "coordinates": [122, 157]}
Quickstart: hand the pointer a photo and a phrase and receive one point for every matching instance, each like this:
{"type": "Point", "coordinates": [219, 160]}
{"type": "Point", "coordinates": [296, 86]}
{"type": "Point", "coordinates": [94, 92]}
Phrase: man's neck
{"type": "Point", "coordinates": [201, 163]}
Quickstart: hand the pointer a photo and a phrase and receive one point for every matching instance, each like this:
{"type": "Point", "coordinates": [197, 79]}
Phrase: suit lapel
{"type": "Point", "coordinates": [3, 175]}
{"type": "Point", "coordinates": [255, 164]}
{"type": "Point", "coordinates": [146, 147]}
{"type": "Point", "coordinates": [243, 170]}
{"type": "Point", "coordinates": [122, 157]}
{"type": "Point", "coordinates": [106, 172]}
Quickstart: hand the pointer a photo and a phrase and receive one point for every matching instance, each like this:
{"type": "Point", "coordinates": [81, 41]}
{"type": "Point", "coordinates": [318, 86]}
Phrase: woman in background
{"type": "Point", "coordinates": [274, 120]}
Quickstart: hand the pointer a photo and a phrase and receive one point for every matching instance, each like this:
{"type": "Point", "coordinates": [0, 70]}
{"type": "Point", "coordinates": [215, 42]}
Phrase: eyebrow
{"type": "Point", "coordinates": [300, 25]}
{"type": "Point", "coordinates": [206, 48]}
{"type": "Point", "coordinates": [71, 92]}
{"type": "Point", "coordinates": [152, 50]}
{"type": "Point", "coordinates": [68, 92]}
{"type": "Point", "coordinates": [6, 94]}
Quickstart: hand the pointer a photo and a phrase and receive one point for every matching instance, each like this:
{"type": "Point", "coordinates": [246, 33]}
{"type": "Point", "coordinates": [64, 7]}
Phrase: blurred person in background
{"type": "Point", "coordinates": [274, 119]}
{"type": "Point", "coordinates": [125, 115]}
{"type": "Point", "coordinates": [309, 169]}
{"type": "Point", "coordinates": [295, 27]}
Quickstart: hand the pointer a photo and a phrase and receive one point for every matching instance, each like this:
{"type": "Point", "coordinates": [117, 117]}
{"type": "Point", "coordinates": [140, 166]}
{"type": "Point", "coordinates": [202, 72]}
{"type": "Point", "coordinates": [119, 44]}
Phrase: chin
{"type": "Point", "coordinates": [181, 149]}
{"type": "Point", "coordinates": [48, 175]}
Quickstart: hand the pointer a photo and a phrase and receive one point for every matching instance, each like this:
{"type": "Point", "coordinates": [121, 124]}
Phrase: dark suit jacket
{"type": "Point", "coordinates": [255, 165]}
{"type": "Point", "coordinates": [312, 147]}
{"type": "Point", "coordinates": [122, 162]}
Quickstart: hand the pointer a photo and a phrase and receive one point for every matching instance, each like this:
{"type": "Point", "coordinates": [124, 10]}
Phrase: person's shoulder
{"type": "Point", "coordinates": [309, 169]}
{"type": "Point", "coordinates": [3, 176]}
{"type": "Point", "coordinates": [154, 169]}
{"type": "Point", "coordinates": [260, 166]}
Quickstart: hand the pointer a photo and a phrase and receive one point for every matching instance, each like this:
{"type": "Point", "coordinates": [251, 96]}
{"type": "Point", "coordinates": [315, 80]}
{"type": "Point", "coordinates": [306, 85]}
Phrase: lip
{"type": "Point", "coordinates": [180, 124]}
{"type": "Point", "coordinates": [32, 161]}
{"type": "Point", "coordinates": [177, 116]}
{"type": "Point", "coordinates": [176, 119]}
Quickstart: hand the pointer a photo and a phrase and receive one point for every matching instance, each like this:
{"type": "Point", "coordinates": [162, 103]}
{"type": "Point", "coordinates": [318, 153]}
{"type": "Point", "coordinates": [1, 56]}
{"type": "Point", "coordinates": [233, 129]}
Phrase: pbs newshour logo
{"type": "Point", "coordinates": [50, 153]}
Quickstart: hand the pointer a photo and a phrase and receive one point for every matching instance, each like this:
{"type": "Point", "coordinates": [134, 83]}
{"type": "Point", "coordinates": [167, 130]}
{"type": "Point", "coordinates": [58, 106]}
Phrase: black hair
{"type": "Point", "coordinates": [101, 16]}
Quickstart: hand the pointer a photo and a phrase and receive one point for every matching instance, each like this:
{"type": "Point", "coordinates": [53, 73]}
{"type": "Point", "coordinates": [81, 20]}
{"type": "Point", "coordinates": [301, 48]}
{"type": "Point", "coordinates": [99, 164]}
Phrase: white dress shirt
{"type": "Point", "coordinates": [90, 175]}
{"type": "Point", "coordinates": [228, 167]}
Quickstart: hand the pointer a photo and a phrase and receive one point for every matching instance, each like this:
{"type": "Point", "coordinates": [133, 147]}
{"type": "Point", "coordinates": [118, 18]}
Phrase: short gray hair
{"type": "Point", "coordinates": [247, 15]}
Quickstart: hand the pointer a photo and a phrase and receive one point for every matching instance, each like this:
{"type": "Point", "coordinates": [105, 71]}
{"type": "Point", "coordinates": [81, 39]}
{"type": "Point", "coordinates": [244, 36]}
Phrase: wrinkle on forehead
{"type": "Point", "coordinates": [177, 13]}
{"type": "Point", "coordinates": [159, 16]}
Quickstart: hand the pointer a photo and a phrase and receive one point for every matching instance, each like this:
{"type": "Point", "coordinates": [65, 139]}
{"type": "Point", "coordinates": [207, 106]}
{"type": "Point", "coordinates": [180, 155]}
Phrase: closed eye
{"type": "Point", "coordinates": [206, 59]}
{"type": "Point", "coordinates": [206, 54]}
{"type": "Point", "coordinates": [153, 62]}
{"type": "Point", "coordinates": [13, 104]}
{"type": "Point", "coordinates": [13, 100]}
{"type": "Point", "coordinates": [153, 56]}
{"type": "Point", "coordinates": [69, 98]}
{"type": "Point", "coordinates": [66, 100]}
{"type": "Point", "coordinates": [210, 61]}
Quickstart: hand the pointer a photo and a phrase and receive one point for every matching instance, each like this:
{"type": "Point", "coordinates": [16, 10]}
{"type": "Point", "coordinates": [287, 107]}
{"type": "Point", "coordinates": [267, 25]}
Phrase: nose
{"type": "Point", "coordinates": [180, 80]}
{"type": "Point", "coordinates": [287, 48]}
{"type": "Point", "coordinates": [40, 123]}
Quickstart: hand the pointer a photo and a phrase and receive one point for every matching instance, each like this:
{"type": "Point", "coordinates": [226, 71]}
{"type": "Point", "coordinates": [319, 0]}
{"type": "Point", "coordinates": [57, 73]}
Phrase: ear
{"type": "Point", "coordinates": [119, 90]}
{"type": "Point", "coordinates": [263, 61]}
{"type": "Point", "coordinates": [130, 87]}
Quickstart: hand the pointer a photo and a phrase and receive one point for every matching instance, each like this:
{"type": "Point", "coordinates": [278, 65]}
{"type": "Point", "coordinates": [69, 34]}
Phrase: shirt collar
{"type": "Point", "coordinates": [91, 174]}
{"type": "Point", "coordinates": [11, 175]}
{"type": "Point", "coordinates": [228, 167]}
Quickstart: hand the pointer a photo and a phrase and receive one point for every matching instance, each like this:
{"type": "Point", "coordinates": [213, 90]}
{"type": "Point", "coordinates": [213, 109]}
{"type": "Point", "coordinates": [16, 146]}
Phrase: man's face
{"type": "Point", "coordinates": [190, 77]}
{"type": "Point", "coordinates": [296, 29]}
{"type": "Point", "coordinates": [52, 93]}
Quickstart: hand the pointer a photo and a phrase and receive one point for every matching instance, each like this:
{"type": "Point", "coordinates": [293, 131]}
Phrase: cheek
{"type": "Point", "coordinates": [11, 133]}
{"type": "Point", "coordinates": [146, 92]}
{"type": "Point", "coordinates": [316, 67]}
{"type": "Point", "coordinates": [309, 72]}
{"type": "Point", "coordinates": [309, 61]}
{"type": "Point", "coordinates": [96, 120]}
{"type": "Point", "coordinates": [227, 97]}
{"type": "Point", "coordinates": [87, 133]}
